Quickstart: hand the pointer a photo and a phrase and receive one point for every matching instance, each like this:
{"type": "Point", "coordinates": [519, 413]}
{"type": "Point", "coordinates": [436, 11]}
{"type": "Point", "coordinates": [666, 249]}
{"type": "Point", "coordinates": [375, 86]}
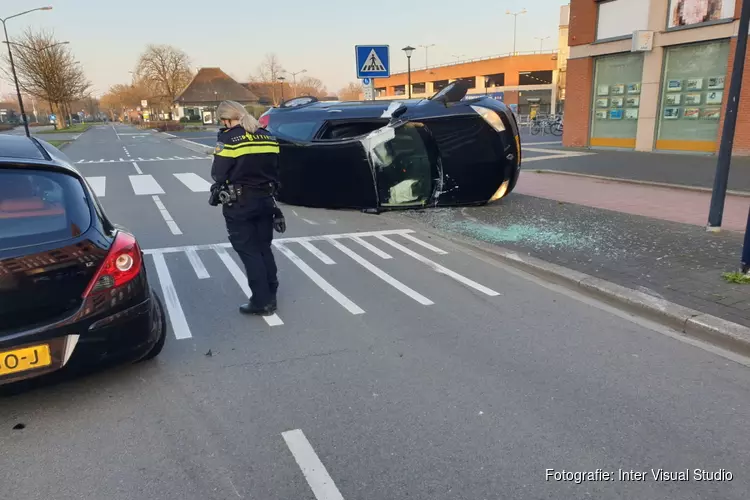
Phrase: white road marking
{"type": "Point", "coordinates": [311, 222]}
{"type": "Point", "coordinates": [315, 472]}
{"type": "Point", "coordinates": [98, 184]}
{"type": "Point", "coordinates": [137, 169]}
{"type": "Point", "coordinates": [297, 239]}
{"type": "Point", "coordinates": [320, 255]}
{"type": "Point", "coordinates": [295, 213]}
{"type": "Point", "coordinates": [241, 280]}
{"type": "Point", "coordinates": [194, 182]}
{"type": "Point", "coordinates": [145, 185]}
{"type": "Point", "coordinates": [382, 274]}
{"type": "Point", "coordinates": [115, 131]}
{"type": "Point", "coordinates": [320, 281]}
{"type": "Point", "coordinates": [424, 244]}
{"type": "Point", "coordinates": [559, 143]}
{"type": "Point", "coordinates": [198, 267]}
{"type": "Point", "coordinates": [172, 301]}
{"type": "Point", "coordinates": [438, 268]}
{"type": "Point", "coordinates": [121, 160]}
{"type": "Point", "coordinates": [371, 248]}
{"type": "Point", "coordinates": [129, 159]}
{"type": "Point", "coordinates": [167, 218]}
{"type": "Point", "coordinates": [140, 159]}
{"type": "Point", "coordinates": [80, 161]}
{"type": "Point", "coordinates": [102, 160]}
{"type": "Point", "coordinates": [158, 158]}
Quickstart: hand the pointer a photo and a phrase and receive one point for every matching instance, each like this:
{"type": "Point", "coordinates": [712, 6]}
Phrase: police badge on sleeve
{"type": "Point", "coordinates": [219, 148]}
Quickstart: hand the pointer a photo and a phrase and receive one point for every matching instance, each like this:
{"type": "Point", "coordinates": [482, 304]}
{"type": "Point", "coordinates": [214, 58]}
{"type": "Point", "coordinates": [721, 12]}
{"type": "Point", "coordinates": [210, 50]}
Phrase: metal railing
{"type": "Point", "coordinates": [477, 59]}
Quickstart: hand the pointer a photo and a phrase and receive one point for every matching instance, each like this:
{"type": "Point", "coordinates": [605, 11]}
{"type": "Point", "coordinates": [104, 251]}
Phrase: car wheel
{"type": "Point", "coordinates": [161, 319]}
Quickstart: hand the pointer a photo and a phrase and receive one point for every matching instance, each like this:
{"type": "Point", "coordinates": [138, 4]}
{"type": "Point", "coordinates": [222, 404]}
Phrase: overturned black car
{"type": "Point", "coordinates": [382, 155]}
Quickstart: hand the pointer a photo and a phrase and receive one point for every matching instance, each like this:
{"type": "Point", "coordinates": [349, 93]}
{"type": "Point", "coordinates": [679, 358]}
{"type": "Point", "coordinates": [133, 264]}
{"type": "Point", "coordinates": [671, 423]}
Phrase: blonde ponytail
{"type": "Point", "coordinates": [232, 110]}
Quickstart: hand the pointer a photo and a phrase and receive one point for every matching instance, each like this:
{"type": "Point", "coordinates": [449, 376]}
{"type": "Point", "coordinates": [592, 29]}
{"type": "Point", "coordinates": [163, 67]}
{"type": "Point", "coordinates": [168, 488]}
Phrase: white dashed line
{"type": "Point", "coordinates": [167, 217]}
{"type": "Point", "coordinates": [315, 472]}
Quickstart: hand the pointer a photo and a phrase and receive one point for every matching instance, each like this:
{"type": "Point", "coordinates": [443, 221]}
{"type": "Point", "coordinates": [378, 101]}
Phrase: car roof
{"type": "Point", "coordinates": [18, 148]}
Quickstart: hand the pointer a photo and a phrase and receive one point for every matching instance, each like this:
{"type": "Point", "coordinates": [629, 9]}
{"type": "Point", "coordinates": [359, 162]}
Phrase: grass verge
{"type": "Point", "coordinates": [75, 129]}
{"type": "Point", "coordinates": [59, 144]}
{"type": "Point", "coordinates": [737, 277]}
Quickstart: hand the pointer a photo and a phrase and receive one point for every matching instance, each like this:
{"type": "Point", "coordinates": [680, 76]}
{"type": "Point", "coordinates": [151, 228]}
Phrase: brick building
{"type": "Point", "coordinates": [521, 80]}
{"type": "Point", "coordinates": [652, 75]}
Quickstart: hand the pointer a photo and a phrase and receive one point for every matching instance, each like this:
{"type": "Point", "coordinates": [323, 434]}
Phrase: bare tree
{"type": "Point", "coordinates": [352, 92]}
{"type": "Point", "coordinates": [48, 70]}
{"type": "Point", "coordinates": [165, 71]}
{"type": "Point", "coordinates": [122, 97]}
{"type": "Point", "coordinates": [269, 72]}
{"type": "Point", "coordinates": [309, 85]}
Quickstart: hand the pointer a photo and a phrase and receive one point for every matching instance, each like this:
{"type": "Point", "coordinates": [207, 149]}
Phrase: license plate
{"type": "Point", "coordinates": [21, 360]}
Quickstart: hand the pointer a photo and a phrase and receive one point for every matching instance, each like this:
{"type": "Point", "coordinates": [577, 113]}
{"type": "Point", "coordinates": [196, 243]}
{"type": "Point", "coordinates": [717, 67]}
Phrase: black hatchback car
{"type": "Point", "coordinates": [73, 286]}
{"type": "Point", "coordinates": [447, 150]}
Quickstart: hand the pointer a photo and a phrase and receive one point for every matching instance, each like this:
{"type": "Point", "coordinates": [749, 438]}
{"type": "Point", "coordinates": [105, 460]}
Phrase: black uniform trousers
{"type": "Point", "coordinates": [250, 227]}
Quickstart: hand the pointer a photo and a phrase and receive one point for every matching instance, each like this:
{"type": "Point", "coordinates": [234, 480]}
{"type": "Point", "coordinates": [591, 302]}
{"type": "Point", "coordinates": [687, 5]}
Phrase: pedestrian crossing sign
{"type": "Point", "coordinates": [373, 61]}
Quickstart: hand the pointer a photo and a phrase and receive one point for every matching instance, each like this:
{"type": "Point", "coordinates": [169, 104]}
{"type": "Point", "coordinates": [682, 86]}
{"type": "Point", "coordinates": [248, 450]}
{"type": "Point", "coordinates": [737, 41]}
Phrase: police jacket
{"type": "Point", "coordinates": [245, 159]}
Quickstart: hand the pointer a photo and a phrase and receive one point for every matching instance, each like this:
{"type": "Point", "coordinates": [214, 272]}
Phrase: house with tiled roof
{"type": "Point", "coordinates": [205, 92]}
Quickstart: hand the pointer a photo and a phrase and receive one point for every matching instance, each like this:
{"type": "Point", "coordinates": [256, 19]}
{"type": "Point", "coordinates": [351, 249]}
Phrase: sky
{"type": "Point", "coordinates": [107, 36]}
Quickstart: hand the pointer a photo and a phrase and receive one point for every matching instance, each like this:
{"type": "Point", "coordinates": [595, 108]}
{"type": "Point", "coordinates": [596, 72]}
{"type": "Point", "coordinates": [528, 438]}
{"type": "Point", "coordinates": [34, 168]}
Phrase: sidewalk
{"type": "Point", "coordinates": [683, 169]}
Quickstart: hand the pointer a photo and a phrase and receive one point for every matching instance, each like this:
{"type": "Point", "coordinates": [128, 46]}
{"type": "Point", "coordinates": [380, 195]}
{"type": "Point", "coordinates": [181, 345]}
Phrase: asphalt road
{"type": "Point", "coordinates": [389, 376]}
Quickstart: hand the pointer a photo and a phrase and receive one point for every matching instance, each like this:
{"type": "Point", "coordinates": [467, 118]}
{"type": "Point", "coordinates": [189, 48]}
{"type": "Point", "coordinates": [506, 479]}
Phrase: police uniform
{"type": "Point", "coordinates": [249, 162]}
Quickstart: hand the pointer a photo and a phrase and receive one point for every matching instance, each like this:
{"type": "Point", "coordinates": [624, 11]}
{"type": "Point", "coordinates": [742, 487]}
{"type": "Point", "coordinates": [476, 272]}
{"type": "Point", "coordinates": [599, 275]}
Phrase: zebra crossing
{"type": "Point", "coordinates": [316, 247]}
{"type": "Point", "coordinates": [146, 185]}
{"type": "Point", "coordinates": [130, 159]}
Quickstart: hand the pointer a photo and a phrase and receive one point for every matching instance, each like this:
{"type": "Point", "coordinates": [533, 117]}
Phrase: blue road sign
{"type": "Point", "coordinates": [373, 61]}
{"type": "Point", "coordinates": [365, 81]}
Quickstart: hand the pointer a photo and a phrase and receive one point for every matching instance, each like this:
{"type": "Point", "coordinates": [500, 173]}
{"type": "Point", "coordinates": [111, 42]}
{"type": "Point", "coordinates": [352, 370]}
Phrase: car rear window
{"type": "Point", "coordinates": [296, 130]}
{"type": "Point", "coordinates": [38, 206]}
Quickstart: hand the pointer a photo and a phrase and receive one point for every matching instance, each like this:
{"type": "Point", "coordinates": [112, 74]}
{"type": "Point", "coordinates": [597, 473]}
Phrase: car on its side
{"type": "Point", "coordinates": [73, 286]}
{"type": "Point", "coordinates": [448, 150]}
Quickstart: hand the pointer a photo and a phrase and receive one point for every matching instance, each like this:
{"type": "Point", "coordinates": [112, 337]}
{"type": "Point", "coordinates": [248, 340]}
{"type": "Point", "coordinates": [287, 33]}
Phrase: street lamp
{"type": "Point", "coordinates": [426, 48]}
{"type": "Point", "coordinates": [541, 42]}
{"type": "Point", "coordinates": [281, 79]}
{"type": "Point", "coordinates": [13, 66]}
{"type": "Point", "coordinates": [515, 23]}
{"type": "Point", "coordinates": [294, 78]}
{"type": "Point", "coordinates": [409, 50]}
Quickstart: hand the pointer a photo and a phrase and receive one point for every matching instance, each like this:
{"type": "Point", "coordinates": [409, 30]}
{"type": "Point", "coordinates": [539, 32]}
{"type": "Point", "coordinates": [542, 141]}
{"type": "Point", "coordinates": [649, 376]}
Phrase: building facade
{"type": "Point", "coordinates": [210, 86]}
{"type": "Point", "coordinates": [652, 75]}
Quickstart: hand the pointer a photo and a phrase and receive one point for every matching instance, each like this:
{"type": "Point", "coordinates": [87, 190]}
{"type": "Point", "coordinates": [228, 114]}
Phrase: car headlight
{"type": "Point", "coordinates": [490, 117]}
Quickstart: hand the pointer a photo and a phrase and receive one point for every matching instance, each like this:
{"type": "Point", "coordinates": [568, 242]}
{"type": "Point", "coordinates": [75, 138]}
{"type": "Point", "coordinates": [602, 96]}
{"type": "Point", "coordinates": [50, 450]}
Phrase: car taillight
{"type": "Point", "coordinates": [263, 120]}
{"type": "Point", "coordinates": [123, 263]}
{"type": "Point", "coordinates": [490, 117]}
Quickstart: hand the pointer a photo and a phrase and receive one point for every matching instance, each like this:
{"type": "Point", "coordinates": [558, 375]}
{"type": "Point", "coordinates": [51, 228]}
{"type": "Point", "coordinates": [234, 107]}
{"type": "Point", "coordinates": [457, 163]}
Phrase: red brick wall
{"type": "Point", "coordinates": [742, 132]}
{"type": "Point", "coordinates": [582, 26]}
{"type": "Point", "coordinates": [578, 102]}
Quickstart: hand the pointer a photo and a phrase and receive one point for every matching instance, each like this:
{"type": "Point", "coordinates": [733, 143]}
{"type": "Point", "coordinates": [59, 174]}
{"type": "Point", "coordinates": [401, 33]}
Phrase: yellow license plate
{"type": "Point", "coordinates": [21, 360]}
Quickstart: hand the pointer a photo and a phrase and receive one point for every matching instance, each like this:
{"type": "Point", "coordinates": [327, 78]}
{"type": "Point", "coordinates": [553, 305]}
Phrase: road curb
{"type": "Point", "coordinates": [682, 187]}
{"type": "Point", "coordinates": [689, 322]}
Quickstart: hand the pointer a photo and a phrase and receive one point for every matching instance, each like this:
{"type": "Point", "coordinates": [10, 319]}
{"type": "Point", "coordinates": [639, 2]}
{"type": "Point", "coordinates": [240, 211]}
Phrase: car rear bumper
{"type": "Point", "coordinates": [127, 335]}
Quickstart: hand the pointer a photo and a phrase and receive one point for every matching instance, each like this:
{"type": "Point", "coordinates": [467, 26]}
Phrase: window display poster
{"type": "Point", "coordinates": [671, 113]}
{"type": "Point", "coordinates": [615, 114]}
{"type": "Point", "coordinates": [711, 113]}
{"type": "Point", "coordinates": [674, 86]}
{"type": "Point", "coordinates": [602, 103]}
{"type": "Point", "coordinates": [618, 89]}
{"type": "Point", "coordinates": [692, 99]}
{"type": "Point", "coordinates": [716, 83]}
{"type": "Point", "coordinates": [618, 75]}
{"type": "Point", "coordinates": [714, 97]}
{"type": "Point", "coordinates": [617, 102]}
{"type": "Point", "coordinates": [631, 114]}
{"type": "Point", "coordinates": [694, 84]}
{"type": "Point", "coordinates": [603, 90]}
{"type": "Point", "coordinates": [691, 12]}
{"type": "Point", "coordinates": [673, 99]}
{"type": "Point", "coordinates": [633, 102]}
{"type": "Point", "coordinates": [692, 113]}
{"type": "Point", "coordinates": [601, 115]}
{"type": "Point", "coordinates": [634, 88]}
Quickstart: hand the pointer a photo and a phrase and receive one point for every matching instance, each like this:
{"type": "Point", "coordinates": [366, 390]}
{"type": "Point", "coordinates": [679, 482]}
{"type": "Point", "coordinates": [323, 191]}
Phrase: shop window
{"type": "Point", "coordinates": [616, 100]}
{"type": "Point", "coordinates": [692, 93]}
{"type": "Point", "coordinates": [534, 77]}
{"type": "Point", "coordinates": [419, 88]}
{"type": "Point", "coordinates": [399, 90]}
{"type": "Point", "coordinates": [496, 80]}
{"type": "Point", "coordinates": [439, 85]}
{"type": "Point", "coordinates": [472, 81]}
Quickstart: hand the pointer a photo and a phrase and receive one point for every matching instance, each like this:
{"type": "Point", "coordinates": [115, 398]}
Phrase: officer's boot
{"type": "Point", "coordinates": [251, 308]}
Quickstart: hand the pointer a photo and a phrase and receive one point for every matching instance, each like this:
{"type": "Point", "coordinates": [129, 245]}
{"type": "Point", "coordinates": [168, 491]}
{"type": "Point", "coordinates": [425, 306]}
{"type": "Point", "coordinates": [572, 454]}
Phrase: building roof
{"type": "Point", "coordinates": [212, 84]}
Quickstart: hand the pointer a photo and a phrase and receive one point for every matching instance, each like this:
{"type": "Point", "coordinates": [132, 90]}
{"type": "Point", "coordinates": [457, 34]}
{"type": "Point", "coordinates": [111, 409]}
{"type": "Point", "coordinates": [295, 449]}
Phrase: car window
{"type": "Point", "coordinates": [40, 207]}
{"type": "Point", "coordinates": [296, 130]}
{"type": "Point", "coordinates": [404, 167]}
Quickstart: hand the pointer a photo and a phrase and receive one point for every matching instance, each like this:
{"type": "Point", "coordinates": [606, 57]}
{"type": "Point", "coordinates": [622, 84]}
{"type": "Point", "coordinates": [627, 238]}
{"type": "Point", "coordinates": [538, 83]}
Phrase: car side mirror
{"type": "Point", "coordinates": [398, 112]}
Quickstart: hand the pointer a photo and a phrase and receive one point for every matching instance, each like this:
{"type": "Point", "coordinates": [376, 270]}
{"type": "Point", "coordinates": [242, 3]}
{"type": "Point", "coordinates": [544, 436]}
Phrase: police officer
{"type": "Point", "coordinates": [246, 174]}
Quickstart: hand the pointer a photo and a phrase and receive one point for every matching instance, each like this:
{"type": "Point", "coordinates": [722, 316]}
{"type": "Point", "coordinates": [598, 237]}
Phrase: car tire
{"type": "Point", "coordinates": [161, 317]}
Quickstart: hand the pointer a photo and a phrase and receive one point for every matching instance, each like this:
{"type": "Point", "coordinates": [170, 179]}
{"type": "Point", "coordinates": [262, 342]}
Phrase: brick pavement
{"type": "Point", "coordinates": [689, 207]}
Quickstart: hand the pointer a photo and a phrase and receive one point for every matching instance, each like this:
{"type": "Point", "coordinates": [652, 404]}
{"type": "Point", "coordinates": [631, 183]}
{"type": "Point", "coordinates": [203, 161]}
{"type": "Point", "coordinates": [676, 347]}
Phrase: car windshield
{"type": "Point", "coordinates": [403, 165]}
{"type": "Point", "coordinates": [40, 207]}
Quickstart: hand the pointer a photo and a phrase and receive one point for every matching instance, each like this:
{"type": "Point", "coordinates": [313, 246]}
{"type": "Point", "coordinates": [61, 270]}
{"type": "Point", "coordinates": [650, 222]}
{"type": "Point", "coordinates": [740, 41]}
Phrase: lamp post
{"type": "Point", "coordinates": [426, 48]}
{"type": "Point", "coordinates": [515, 24]}
{"type": "Point", "coordinates": [13, 66]}
{"type": "Point", "coordinates": [294, 79]}
{"type": "Point", "coordinates": [409, 50]}
{"type": "Point", "coordinates": [281, 79]}
{"type": "Point", "coordinates": [541, 42]}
